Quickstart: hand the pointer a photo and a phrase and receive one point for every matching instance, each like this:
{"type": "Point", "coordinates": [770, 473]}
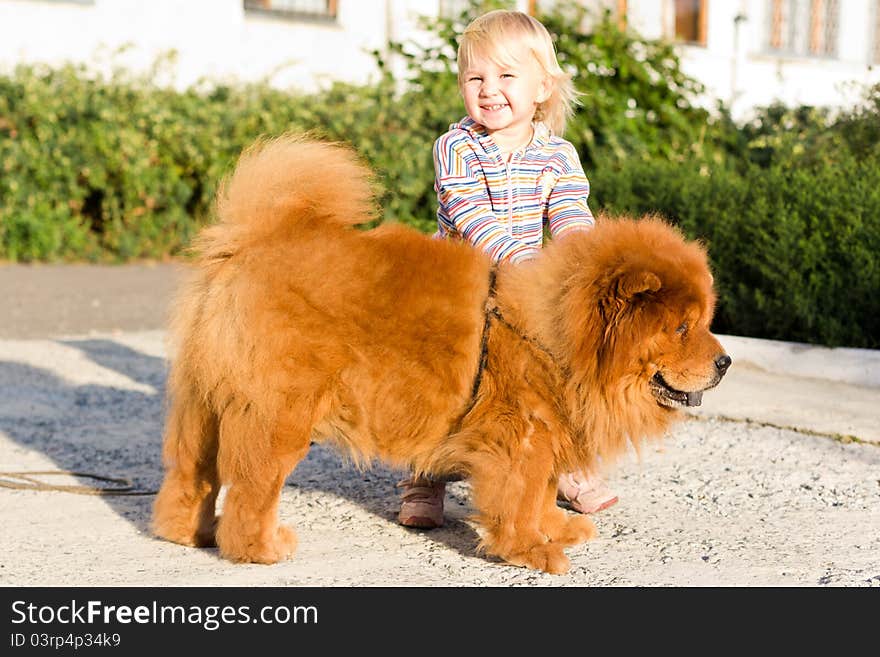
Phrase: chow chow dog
{"type": "Point", "coordinates": [297, 327]}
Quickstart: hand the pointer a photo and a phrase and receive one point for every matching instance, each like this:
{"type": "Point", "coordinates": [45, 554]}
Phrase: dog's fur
{"type": "Point", "coordinates": [297, 327]}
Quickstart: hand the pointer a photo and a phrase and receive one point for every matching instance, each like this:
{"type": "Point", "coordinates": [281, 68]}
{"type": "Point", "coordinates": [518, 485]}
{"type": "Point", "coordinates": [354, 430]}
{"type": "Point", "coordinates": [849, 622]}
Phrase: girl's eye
{"type": "Point", "coordinates": [508, 75]}
{"type": "Point", "coordinates": [474, 78]}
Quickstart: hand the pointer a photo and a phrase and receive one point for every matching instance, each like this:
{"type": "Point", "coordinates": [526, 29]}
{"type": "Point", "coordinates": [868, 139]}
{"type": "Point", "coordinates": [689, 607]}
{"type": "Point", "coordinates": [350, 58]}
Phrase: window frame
{"type": "Point", "coordinates": [702, 25]}
{"type": "Point", "coordinates": [265, 8]}
{"type": "Point", "coordinates": [85, 3]}
{"type": "Point", "coordinates": [820, 14]}
{"type": "Point", "coordinates": [874, 55]}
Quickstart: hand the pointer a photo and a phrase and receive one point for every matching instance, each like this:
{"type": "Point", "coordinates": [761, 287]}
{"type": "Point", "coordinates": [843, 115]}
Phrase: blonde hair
{"type": "Point", "coordinates": [493, 34]}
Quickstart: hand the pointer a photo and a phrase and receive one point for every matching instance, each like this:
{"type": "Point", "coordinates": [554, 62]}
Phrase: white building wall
{"type": "Point", "coordinates": [737, 67]}
{"type": "Point", "coordinates": [218, 40]}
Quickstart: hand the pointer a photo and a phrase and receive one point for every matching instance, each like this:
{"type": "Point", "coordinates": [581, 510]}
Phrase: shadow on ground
{"type": "Point", "coordinates": [115, 432]}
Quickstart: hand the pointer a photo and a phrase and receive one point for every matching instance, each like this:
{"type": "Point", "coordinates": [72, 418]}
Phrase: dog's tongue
{"type": "Point", "coordinates": [695, 398]}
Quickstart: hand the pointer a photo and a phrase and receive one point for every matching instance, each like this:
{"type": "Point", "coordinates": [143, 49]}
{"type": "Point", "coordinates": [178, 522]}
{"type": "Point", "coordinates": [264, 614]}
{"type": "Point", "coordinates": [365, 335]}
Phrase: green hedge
{"type": "Point", "coordinates": [114, 169]}
{"type": "Point", "coordinates": [796, 250]}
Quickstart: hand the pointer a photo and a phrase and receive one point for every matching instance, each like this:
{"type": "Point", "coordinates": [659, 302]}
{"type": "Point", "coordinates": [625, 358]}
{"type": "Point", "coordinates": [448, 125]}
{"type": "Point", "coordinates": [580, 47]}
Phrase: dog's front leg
{"type": "Point", "coordinates": [510, 492]}
{"type": "Point", "coordinates": [561, 527]}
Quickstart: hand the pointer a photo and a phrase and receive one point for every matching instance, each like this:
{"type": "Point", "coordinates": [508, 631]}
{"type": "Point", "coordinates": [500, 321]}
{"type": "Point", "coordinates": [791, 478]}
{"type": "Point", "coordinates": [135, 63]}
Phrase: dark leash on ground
{"type": "Point", "coordinates": [30, 481]}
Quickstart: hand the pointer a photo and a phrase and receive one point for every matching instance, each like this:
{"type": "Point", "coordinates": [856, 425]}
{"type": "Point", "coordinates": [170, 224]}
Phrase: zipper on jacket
{"type": "Point", "coordinates": [509, 200]}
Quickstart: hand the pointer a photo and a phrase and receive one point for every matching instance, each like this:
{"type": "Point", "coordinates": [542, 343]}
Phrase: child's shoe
{"type": "Point", "coordinates": [585, 493]}
{"type": "Point", "coordinates": [421, 503]}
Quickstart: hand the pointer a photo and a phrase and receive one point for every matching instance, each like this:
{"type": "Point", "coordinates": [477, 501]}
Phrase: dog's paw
{"type": "Point", "coordinates": [285, 541]}
{"type": "Point", "coordinates": [182, 532]}
{"type": "Point", "coordinates": [566, 529]}
{"type": "Point", "coordinates": [266, 552]}
{"type": "Point", "coordinates": [577, 529]}
{"type": "Point", "coordinates": [548, 557]}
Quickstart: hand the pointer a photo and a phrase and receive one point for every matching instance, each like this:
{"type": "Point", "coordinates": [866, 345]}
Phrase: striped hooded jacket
{"type": "Point", "coordinates": [501, 207]}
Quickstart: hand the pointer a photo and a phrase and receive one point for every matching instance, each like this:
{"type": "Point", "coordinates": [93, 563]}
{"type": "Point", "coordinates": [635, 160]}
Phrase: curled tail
{"type": "Point", "coordinates": [284, 183]}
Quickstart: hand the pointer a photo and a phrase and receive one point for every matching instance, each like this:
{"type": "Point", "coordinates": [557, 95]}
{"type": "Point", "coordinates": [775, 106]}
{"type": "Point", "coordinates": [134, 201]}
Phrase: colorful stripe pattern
{"type": "Point", "coordinates": [501, 207]}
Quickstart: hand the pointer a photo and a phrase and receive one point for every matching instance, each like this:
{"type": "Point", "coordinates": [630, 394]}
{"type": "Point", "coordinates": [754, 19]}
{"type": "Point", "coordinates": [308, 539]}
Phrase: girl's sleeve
{"type": "Point", "coordinates": [567, 207]}
{"type": "Point", "coordinates": [465, 208]}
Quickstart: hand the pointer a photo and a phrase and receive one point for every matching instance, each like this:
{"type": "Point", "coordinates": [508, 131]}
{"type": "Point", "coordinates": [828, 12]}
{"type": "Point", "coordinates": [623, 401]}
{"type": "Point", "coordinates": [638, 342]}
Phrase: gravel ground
{"type": "Point", "coordinates": [718, 502]}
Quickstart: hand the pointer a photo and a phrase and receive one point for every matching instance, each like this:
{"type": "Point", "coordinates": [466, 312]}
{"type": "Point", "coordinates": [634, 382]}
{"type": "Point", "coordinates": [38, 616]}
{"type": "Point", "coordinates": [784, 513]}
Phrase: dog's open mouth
{"type": "Point", "coordinates": [668, 396]}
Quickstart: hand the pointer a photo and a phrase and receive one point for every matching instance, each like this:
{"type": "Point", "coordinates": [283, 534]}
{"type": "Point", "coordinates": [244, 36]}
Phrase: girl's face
{"type": "Point", "coordinates": [503, 97]}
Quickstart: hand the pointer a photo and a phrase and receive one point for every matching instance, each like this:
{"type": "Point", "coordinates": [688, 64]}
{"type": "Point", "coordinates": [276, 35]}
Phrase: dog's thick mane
{"type": "Point", "coordinates": [589, 318]}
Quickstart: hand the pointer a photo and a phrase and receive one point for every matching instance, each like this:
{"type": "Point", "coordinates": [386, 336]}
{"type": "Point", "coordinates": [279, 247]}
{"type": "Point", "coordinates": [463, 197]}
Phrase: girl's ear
{"type": "Point", "coordinates": [545, 89]}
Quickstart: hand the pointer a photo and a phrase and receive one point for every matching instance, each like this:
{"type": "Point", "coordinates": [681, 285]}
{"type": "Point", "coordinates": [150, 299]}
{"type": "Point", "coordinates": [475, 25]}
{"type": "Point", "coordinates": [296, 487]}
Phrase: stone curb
{"type": "Point", "coordinates": [843, 364]}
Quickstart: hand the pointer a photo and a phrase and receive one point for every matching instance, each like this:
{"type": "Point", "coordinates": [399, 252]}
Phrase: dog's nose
{"type": "Point", "coordinates": [722, 363]}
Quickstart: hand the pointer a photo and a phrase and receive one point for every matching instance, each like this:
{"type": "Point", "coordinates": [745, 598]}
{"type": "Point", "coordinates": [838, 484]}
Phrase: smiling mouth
{"type": "Point", "coordinates": [668, 396]}
{"type": "Point", "coordinates": [494, 108]}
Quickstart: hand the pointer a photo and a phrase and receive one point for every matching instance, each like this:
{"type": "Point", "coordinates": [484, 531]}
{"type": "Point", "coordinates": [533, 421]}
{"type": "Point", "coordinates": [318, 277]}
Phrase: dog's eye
{"type": "Point", "coordinates": [681, 330]}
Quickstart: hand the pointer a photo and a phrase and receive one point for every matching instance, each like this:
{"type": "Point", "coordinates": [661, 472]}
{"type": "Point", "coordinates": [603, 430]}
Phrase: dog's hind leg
{"type": "Point", "coordinates": [184, 510]}
{"type": "Point", "coordinates": [254, 461]}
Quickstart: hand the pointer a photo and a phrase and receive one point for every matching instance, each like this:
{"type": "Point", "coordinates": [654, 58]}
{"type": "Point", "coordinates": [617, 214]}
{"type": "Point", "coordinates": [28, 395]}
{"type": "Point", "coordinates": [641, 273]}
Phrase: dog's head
{"type": "Point", "coordinates": [668, 317]}
{"type": "Point", "coordinates": [639, 303]}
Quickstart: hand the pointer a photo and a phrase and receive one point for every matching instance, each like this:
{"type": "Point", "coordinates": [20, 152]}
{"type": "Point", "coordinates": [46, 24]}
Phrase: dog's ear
{"type": "Point", "coordinates": [624, 290]}
{"type": "Point", "coordinates": [631, 284]}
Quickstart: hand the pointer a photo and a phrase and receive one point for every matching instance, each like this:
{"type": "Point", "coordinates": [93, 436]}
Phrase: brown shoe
{"type": "Point", "coordinates": [421, 503]}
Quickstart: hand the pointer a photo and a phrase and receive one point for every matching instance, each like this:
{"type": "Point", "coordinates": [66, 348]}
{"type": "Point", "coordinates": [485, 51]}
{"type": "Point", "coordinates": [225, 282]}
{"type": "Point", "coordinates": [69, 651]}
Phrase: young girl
{"type": "Point", "coordinates": [502, 173]}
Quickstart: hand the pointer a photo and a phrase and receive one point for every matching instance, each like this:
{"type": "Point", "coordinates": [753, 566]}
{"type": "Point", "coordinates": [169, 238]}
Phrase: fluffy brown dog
{"type": "Point", "coordinates": [296, 327]}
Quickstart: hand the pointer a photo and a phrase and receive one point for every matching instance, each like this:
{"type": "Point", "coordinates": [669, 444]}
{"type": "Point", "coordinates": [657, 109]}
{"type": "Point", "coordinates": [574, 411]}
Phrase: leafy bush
{"type": "Point", "coordinates": [117, 169]}
{"type": "Point", "coordinates": [795, 249]}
